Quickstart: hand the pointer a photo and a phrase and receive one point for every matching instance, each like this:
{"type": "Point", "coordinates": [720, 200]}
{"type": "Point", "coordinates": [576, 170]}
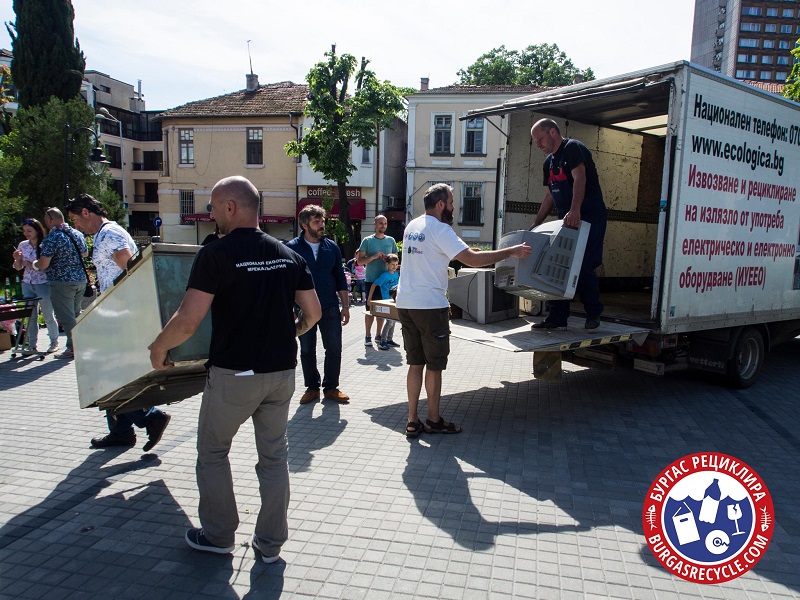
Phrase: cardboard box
{"type": "Point", "coordinates": [5, 340]}
{"type": "Point", "coordinates": [384, 309]}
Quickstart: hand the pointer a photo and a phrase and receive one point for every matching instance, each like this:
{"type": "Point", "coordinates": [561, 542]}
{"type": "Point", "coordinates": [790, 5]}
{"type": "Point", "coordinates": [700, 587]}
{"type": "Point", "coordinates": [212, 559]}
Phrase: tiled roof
{"type": "Point", "coordinates": [271, 99]}
{"type": "Point", "coordinates": [486, 89]}
{"type": "Point", "coordinates": [767, 86]}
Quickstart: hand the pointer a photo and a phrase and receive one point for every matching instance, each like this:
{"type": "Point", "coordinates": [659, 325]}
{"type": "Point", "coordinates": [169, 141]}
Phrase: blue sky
{"type": "Point", "coordinates": [188, 50]}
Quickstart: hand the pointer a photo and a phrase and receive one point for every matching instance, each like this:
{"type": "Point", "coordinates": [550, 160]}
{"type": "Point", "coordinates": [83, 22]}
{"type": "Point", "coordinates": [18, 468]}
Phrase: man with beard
{"type": "Point", "coordinates": [372, 253]}
{"type": "Point", "coordinates": [324, 259]}
{"type": "Point", "coordinates": [429, 244]}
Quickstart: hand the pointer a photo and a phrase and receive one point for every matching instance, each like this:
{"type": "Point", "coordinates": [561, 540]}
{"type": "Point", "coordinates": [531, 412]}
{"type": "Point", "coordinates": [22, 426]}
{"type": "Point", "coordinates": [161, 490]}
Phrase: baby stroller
{"type": "Point", "coordinates": [21, 311]}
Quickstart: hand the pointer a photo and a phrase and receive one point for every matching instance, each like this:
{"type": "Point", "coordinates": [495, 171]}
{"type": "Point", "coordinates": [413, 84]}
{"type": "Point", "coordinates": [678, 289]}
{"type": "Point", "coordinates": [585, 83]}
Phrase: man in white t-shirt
{"type": "Point", "coordinates": [113, 246]}
{"type": "Point", "coordinates": [429, 244]}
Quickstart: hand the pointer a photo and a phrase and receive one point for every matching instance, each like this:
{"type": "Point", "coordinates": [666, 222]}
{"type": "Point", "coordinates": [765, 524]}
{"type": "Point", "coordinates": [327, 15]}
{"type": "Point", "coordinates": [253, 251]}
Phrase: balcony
{"type": "Point", "coordinates": [146, 166]}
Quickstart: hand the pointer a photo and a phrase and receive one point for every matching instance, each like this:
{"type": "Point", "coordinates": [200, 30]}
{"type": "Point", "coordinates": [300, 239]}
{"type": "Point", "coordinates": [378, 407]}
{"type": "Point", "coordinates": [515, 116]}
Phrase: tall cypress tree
{"type": "Point", "coordinates": [47, 57]}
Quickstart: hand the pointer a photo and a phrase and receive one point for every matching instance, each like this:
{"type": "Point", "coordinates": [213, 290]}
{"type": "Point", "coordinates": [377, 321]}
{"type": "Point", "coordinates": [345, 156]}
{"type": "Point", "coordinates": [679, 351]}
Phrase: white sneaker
{"type": "Point", "coordinates": [52, 347]}
{"type": "Point", "coordinates": [28, 351]}
{"type": "Point", "coordinates": [66, 355]}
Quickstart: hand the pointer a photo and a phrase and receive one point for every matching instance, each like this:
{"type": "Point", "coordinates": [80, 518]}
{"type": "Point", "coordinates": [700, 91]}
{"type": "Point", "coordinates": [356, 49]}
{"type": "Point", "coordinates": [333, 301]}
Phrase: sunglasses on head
{"type": "Point", "coordinates": [28, 222]}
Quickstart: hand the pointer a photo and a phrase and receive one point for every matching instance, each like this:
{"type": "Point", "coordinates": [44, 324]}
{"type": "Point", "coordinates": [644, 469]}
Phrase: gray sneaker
{"type": "Point", "coordinates": [52, 347]}
{"type": "Point", "coordinates": [264, 557]}
{"type": "Point", "coordinates": [66, 355]}
{"type": "Point", "coordinates": [28, 351]}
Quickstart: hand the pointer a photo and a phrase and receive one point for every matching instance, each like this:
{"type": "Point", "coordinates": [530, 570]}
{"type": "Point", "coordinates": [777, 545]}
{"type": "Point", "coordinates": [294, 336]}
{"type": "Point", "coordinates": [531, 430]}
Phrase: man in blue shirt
{"type": "Point", "coordinates": [324, 259]}
{"type": "Point", "coordinates": [63, 251]}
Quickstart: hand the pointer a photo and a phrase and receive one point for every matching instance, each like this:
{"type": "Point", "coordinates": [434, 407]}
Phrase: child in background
{"type": "Point", "coordinates": [360, 271]}
{"type": "Point", "coordinates": [386, 281]}
{"type": "Point", "coordinates": [349, 278]}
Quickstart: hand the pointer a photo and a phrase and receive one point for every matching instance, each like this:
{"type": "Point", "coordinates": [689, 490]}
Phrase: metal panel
{"type": "Point", "coordinates": [112, 362]}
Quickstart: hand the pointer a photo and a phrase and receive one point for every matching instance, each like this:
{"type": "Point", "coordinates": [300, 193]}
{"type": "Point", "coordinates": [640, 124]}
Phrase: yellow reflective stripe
{"type": "Point", "coordinates": [596, 342]}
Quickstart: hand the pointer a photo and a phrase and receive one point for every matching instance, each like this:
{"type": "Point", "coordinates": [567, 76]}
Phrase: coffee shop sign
{"type": "Point", "coordinates": [332, 192]}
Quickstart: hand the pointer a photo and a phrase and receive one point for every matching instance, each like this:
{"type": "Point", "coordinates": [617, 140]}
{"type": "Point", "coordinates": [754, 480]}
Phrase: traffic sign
{"type": "Point", "coordinates": [157, 221]}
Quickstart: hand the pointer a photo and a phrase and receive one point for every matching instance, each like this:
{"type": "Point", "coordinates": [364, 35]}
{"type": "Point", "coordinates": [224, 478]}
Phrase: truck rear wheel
{"type": "Point", "coordinates": [748, 356]}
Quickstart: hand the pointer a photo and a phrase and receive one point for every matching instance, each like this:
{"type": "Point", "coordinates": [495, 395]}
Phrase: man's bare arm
{"type": "Point", "coordinates": [310, 310]}
{"type": "Point", "coordinates": [474, 258]}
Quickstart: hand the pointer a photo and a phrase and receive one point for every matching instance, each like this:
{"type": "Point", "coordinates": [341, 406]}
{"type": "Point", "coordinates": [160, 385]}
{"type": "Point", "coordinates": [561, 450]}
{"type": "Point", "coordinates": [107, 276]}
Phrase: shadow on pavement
{"type": "Point", "coordinates": [308, 434]}
{"type": "Point", "coordinates": [100, 534]}
{"type": "Point", "coordinates": [586, 450]}
{"type": "Point", "coordinates": [19, 371]}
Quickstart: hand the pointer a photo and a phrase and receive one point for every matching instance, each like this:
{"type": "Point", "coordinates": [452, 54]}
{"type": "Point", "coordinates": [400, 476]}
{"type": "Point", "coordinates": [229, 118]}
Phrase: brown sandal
{"type": "Point", "coordinates": [414, 428]}
{"type": "Point", "coordinates": [441, 427]}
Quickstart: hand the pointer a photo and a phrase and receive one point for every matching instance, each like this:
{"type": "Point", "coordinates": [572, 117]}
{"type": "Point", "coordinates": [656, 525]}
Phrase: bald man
{"type": "Point", "coordinates": [572, 185]}
{"type": "Point", "coordinates": [250, 281]}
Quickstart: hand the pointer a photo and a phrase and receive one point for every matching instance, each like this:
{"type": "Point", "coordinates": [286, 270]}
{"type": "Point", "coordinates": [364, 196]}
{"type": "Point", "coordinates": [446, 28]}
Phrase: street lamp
{"type": "Point", "coordinates": [103, 114]}
{"type": "Point", "coordinates": [95, 158]}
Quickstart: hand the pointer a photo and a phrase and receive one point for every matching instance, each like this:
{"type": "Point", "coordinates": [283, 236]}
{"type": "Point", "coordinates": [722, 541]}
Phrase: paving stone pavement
{"type": "Point", "coordinates": [539, 497]}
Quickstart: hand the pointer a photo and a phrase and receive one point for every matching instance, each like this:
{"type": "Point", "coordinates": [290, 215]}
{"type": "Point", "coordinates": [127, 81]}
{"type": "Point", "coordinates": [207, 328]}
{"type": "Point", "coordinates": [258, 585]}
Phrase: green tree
{"type": "Point", "coordinates": [792, 88]}
{"type": "Point", "coordinates": [5, 98]}
{"type": "Point", "coordinates": [541, 64]}
{"type": "Point", "coordinates": [47, 57]}
{"type": "Point", "coordinates": [340, 119]}
{"type": "Point", "coordinates": [32, 161]}
{"type": "Point", "coordinates": [496, 67]}
{"type": "Point", "coordinates": [10, 209]}
{"type": "Point", "coordinates": [43, 148]}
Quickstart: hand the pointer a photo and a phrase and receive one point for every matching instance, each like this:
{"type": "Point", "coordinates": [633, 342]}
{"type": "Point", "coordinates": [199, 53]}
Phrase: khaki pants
{"type": "Point", "coordinates": [228, 401]}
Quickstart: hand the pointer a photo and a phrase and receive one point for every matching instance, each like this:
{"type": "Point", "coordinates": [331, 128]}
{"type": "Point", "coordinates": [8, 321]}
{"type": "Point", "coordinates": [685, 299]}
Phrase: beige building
{"type": "Point", "coordinates": [463, 154]}
{"type": "Point", "coordinates": [244, 133]}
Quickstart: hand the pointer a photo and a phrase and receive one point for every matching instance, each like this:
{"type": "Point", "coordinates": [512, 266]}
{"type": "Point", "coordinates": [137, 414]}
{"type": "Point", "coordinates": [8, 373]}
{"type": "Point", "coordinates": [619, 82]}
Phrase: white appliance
{"type": "Point", "coordinates": [473, 291]}
{"type": "Point", "coordinates": [551, 271]}
{"type": "Point", "coordinates": [110, 339]}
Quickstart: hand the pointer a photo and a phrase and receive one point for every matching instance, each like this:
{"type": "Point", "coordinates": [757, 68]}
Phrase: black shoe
{"type": "Point", "coordinates": [592, 323]}
{"type": "Point", "coordinates": [155, 429]}
{"type": "Point", "coordinates": [198, 540]}
{"type": "Point", "coordinates": [110, 441]}
{"type": "Point", "coordinates": [548, 325]}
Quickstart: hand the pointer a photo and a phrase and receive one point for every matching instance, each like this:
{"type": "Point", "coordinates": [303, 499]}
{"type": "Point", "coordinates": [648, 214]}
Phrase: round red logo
{"type": "Point", "coordinates": [708, 518]}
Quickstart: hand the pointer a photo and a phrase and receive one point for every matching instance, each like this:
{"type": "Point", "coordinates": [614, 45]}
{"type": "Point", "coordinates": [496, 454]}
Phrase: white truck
{"type": "Point", "coordinates": [700, 175]}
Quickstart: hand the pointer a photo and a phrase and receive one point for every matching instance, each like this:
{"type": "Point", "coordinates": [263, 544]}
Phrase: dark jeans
{"type": "Point", "coordinates": [588, 287]}
{"type": "Point", "coordinates": [330, 327]}
{"type": "Point", "coordinates": [122, 425]}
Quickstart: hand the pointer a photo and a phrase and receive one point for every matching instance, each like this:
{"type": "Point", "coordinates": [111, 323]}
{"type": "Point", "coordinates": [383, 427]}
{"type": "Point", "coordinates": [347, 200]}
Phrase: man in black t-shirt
{"type": "Point", "coordinates": [571, 184]}
{"type": "Point", "coordinates": [250, 281]}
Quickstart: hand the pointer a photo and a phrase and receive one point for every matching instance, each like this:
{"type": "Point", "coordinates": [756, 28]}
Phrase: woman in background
{"type": "Point", "coordinates": [35, 285]}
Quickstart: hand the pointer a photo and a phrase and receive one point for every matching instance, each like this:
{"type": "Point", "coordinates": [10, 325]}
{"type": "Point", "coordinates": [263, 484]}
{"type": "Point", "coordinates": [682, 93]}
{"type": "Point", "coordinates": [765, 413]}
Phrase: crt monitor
{"type": "Point", "coordinates": [474, 292]}
{"type": "Point", "coordinates": [551, 271]}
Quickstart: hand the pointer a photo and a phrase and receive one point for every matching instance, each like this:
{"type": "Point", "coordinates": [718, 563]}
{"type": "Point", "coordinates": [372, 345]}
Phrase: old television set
{"type": "Point", "coordinates": [474, 292]}
{"type": "Point", "coordinates": [551, 271]}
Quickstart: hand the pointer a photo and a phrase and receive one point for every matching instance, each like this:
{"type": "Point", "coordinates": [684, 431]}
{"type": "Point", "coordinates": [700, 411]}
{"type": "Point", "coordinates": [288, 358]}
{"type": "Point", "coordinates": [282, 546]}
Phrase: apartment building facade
{"type": "Point", "coordinates": [746, 39]}
{"type": "Point", "coordinates": [132, 139]}
{"type": "Point", "coordinates": [464, 154]}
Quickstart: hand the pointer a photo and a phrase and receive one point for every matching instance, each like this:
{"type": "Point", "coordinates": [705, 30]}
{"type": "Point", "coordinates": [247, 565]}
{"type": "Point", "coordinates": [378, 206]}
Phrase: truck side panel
{"type": "Point", "coordinates": [734, 217]}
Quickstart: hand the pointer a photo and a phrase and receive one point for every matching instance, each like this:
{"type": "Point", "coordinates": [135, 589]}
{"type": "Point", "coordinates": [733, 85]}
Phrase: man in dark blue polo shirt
{"type": "Point", "coordinates": [325, 261]}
